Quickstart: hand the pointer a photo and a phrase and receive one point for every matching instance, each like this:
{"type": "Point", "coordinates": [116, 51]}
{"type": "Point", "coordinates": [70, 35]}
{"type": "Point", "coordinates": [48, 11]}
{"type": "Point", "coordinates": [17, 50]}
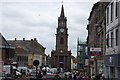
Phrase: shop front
{"type": "Point", "coordinates": [112, 66]}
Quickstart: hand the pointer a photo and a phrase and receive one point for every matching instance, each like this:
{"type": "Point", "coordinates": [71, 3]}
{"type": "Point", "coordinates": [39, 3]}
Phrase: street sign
{"type": "Point", "coordinates": [95, 49]}
{"type": "Point", "coordinates": [35, 62]}
{"type": "Point", "coordinates": [95, 52]}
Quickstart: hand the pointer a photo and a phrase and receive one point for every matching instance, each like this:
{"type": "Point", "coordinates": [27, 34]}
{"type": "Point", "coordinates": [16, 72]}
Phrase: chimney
{"type": "Point", "coordinates": [35, 39]}
{"type": "Point", "coordinates": [23, 39]}
{"type": "Point", "coordinates": [15, 39]}
{"type": "Point", "coordinates": [31, 39]}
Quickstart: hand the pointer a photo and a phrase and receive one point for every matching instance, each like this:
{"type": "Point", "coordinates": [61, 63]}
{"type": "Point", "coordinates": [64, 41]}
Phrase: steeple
{"type": "Point", "coordinates": [62, 12]}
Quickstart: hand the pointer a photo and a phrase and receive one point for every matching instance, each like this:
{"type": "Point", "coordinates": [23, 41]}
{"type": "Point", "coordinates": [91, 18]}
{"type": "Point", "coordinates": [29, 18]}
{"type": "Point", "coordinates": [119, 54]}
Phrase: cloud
{"type": "Point", "coordinates": [39, 19]}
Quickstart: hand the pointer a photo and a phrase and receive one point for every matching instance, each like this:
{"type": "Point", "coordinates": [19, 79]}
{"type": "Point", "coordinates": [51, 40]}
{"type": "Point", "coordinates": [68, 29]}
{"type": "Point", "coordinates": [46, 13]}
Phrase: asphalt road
{"type": "Point", "coordinates": [22, 79]}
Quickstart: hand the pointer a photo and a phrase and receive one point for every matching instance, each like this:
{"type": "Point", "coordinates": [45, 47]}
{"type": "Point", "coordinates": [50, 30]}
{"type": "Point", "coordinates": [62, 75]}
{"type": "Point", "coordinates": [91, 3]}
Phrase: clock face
{"type": "Point", "coordinates": [62, 23]}
{"type": "Point", "coordinates": [61, 51]}
{"type": "Point", "coordinates": [61, 30]}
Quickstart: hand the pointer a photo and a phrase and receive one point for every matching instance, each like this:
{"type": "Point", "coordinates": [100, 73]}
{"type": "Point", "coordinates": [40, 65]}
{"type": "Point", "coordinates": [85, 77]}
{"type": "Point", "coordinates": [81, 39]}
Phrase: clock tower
{"type": "Point", "coordinates": [62, 33]}
{"type": "Point", "coordinates": [61, 57]}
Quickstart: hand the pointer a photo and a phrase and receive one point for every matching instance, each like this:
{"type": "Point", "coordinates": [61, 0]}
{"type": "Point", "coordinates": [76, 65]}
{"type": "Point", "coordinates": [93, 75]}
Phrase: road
{"type": "Point", "coordinates": [22, 79]}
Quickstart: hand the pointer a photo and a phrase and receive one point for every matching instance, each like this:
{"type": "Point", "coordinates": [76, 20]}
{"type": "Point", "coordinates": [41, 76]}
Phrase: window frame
{"type": "Point", "coordinates": [117, 35]}
{"type": "Point", "coordinates": [112, 12]}
{"type": "Point", "coordinates": [112, 40]}
{"type": "Point", "coordinates": [107, 15]}
{"type": "Point", "coordinates": [116, 10]}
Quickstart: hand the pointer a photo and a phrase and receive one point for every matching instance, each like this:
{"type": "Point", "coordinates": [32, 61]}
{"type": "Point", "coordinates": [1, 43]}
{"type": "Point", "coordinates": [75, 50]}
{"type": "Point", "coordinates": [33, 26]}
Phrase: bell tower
{"type": "Point", "coordinates": [61, 57]}
{"type": "Point", "coordinates": [62, 33]}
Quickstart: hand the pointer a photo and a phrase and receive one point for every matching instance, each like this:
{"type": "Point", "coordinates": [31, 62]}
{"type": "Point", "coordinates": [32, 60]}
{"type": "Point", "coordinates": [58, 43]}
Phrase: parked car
{"type": "Point", "coordinates": [50, 76]}
{"type": "Point", "coordinates": [62, 75]}
{"type": "Point", "coordinates": [2, 76]}
{"type": "Point", "coordinates": [9, 77]}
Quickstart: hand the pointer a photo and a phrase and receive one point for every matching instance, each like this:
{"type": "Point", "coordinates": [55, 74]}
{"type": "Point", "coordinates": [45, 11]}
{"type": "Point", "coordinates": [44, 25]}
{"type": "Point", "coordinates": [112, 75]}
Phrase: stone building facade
{"type": "Point", "coordinates": [26, 51]}
{"type": "Point", "coordinates": [112, 56]}
{"type": "Point", "coordinates": [96, 36]}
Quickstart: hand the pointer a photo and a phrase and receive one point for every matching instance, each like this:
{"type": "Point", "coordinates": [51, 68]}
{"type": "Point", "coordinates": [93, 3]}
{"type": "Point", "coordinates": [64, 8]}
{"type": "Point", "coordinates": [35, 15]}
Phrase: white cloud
{"type": "Point", "coordinates": [39, 18]}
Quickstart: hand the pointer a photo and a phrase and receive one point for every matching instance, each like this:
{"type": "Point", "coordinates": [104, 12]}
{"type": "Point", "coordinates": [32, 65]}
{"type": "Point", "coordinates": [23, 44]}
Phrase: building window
{"type": "Point", "coordinates": [112, 39]}
{"type": "Point", "coordinates": [116, 15]}
{"type": "Point", "coordinates": [112, 12]}
{"type": "Point", "coordinates": [107, 15]}
{"type": "Point", "coordinates": [107, 40]}
{"type": "Point", "coordinates": [19, 59]}
{"type": "Point", "coordinates": [61, 40]}
{"type": "Point", "coordinates": [117, 37]}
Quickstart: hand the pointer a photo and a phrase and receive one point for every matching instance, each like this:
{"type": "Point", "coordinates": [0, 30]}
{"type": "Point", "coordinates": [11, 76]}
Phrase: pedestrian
{"type": "Point", "coordinates": [74, 76]}
{"type": "Point", "coordinates": [65, 76]}
{"type": "Point", "coordinates": [40, 75]}
{"type": "Point", "coordinates": [88, 78]}
{"type": "Point", "coordinates": [70, 76]}
{"type": "Point", "coordinates": [93, 77]}
{"type": "Point", "coordinates": [102, 77]}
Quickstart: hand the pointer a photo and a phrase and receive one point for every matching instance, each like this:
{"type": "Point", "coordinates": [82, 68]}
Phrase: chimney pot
{"type": "Point", "coordinates": [23, 39]}
{"type": "Point", "coordinates": [35, 39]}
{"type": "Point", "coordinates": [31, 39]}
{"type": "Point", "coordinates": [15, 39]}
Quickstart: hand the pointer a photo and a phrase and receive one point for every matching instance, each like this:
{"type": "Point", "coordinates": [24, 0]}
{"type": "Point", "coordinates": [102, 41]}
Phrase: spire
{"type": "Point", "coordinates": [62, 12]}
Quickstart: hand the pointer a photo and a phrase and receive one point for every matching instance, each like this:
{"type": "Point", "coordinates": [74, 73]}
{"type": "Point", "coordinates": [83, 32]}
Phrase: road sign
{"type": "Point", "coordinates": [35, 62]}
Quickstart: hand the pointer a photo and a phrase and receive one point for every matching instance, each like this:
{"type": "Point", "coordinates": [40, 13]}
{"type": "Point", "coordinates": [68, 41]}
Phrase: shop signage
{"type": "Point", "coordinates": [95, 52]}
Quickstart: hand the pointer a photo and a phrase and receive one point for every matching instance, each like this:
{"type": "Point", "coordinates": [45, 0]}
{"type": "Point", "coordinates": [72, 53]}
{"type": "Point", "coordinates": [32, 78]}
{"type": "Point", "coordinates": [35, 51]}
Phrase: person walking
{"type": "Point", "coordinates": [93, 77]}
{"type": "Point", "coordinates": [40, 75]}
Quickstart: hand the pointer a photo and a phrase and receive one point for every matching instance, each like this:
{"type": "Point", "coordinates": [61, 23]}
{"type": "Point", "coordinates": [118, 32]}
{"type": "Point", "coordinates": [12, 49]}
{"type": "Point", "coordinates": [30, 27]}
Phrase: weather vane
{"type": "Point", "coordinates": [62, 2]}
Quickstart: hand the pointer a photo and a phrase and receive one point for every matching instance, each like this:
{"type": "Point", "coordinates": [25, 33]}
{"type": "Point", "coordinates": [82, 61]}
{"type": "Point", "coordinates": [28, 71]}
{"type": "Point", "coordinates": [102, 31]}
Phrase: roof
{"type": "Point", "coordinates": [62, 12]}
{"type": "Point", "coordinates": [3, 41]}
{"type": "Point", "coordinates": [93, 9]}
{"type": "Point", "coordinates": [4, 44]}
{"type": "Point", "coordinates": [26, 46]}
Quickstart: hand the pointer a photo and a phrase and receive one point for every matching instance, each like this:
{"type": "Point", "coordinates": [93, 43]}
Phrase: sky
{"type": "Point", "coordinates": [31, 19]}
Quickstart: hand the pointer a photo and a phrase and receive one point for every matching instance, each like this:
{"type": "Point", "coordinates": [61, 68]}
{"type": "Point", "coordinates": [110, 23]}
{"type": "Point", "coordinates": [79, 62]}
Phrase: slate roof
{"type": "Point", "coordinates": [3, 41]}
{"type": "Point", "coordinates": [27, 46]}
